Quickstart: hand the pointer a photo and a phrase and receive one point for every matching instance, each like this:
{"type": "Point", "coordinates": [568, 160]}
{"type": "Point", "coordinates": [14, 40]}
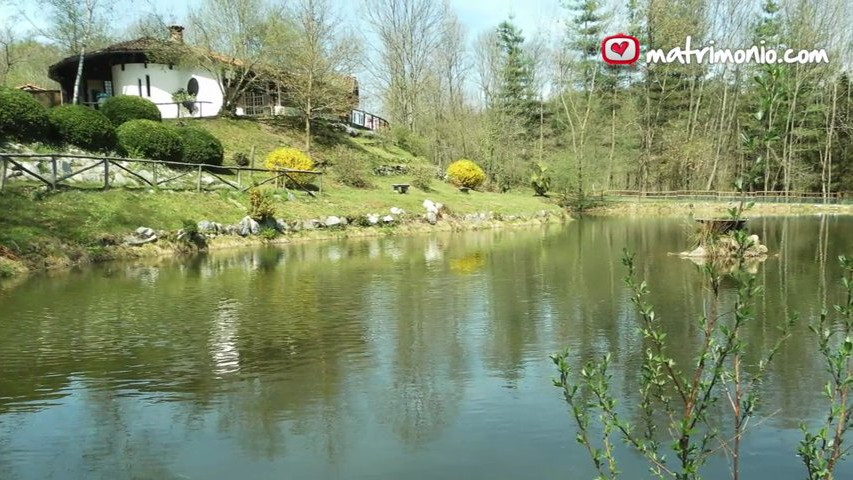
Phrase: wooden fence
{"type": "Point", "coordinates": [54, 179]}
{"type": "Point", "coordinates": [715, 196]}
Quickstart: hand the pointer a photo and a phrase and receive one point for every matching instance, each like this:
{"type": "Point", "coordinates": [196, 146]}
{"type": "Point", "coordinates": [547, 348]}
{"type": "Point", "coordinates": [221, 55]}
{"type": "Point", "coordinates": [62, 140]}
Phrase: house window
{"type": "Point", "coordinates": [148, 85]}
{"type": "Point", "coordinates": [139, 82]}
{"type": "Point", "coordinates": [192, 86]}
{"type": "Point", "coordinates": [108, 88]}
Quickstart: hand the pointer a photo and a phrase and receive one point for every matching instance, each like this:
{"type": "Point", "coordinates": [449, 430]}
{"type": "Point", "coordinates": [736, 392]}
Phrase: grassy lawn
{"type": "Point", "coordinates": [56, 227]}
{"type": "Point", "coordinates": [38, 223]}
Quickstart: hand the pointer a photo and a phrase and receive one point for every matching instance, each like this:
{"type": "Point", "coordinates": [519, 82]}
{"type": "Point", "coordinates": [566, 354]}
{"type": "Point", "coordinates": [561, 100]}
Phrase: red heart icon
{"type": "Point", "coordinates": [620, 47]}
{"type": "Point", "coordinates": [615, 49]}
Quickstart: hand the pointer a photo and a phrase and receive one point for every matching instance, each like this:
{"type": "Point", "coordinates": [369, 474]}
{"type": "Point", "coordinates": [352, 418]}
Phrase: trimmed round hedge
{"type": "Point", "coordinates": [150, 139]}
{"type": "Point", "coordinates": [125, 108]}
{"type": "Point", "coordinates": [200, 147]}
{"type": "Point", "coordinates": [83, 127]}
{"type": "Point", "coordinates": [22, 117]}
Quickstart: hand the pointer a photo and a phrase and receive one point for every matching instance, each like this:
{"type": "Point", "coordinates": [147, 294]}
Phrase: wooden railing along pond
{"type": "Point", "coordinates": [162, 172]}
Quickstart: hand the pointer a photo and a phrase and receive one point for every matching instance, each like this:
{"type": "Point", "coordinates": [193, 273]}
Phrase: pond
{"type": "Point", "coordinates": [394, 357]}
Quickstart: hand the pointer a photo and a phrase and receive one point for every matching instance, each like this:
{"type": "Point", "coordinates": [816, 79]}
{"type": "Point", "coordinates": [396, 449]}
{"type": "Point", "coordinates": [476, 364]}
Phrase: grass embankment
{"type": "Point", "coordinates": [679, 208]}
{"type": "Point", "coordinates": [44, 230]}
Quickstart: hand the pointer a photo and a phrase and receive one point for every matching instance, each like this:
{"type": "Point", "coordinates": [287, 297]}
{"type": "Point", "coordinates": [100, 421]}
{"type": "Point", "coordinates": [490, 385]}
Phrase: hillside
{"type": "Point", "coordinates": [43, 229]}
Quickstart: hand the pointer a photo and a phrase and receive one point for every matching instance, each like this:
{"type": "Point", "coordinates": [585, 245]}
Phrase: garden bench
{"type": "Point", "coordinates": [401, 187]}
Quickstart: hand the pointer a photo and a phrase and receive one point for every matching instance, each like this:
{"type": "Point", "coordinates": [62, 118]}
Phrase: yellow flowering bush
{"type": "Point", "coordinates": [465, 173]}
{"type": "Point", "coordinates": [291, 159]}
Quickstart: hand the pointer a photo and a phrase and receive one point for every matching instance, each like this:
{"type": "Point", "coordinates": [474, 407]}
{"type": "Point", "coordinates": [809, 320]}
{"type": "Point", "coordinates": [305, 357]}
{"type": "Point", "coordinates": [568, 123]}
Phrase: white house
{"type": "Point", "coordinates": [130, 68]}
{"type": "Point", "coordinates": [125, 69]}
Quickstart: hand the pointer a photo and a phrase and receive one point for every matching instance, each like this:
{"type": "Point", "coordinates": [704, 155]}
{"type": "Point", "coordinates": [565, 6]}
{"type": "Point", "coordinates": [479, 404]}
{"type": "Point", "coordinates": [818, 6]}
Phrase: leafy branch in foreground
{"type": "Point", "coordinates": [822, 451]}
{"type": "Point", "coordinates": [677, 396]}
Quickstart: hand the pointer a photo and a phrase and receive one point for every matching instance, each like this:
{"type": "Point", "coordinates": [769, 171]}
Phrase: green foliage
{"type": "Point", "coordinates": [190, 227]}
{"type": "Point", "coordinates": [351, 168]}
{"type": "Point", "coordinates": [465, 173]}
{"type": "Point", "coordinates": [822, 451]}
{"type": "Point", "coordinates": [241, 159]}
{"type": "Point", "coordinates": [422, 177]}
{"type": "Point", "coordinates": [268, 233]}
{"type": "Point", "coordinates": [683, 393]}
{"type": "Point", "coordinates": [540, 180]}
{"type": "Point", "coordinates": [123, 108]}
{"type": "Point", "coordinates": [83, 127]}
{"type": "Point", "coordinates": [261, 206]}
{"type": "Point", "coordinates": [22, 118]}
{"type": "Point", "coordinates": [200, 147]}
{"type": "Point", "coordinates": [150, 139]}
{"type": "Point", "coordinates": [579, 202]}
{"type": "Point", "coordinates": [409, 141]}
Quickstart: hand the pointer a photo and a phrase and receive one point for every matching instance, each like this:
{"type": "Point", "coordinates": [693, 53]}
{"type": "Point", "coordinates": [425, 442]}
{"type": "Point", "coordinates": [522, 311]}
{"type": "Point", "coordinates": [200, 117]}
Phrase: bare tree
{"type": "Point", "coordinates": [9, 56]}
{"type": "Point", "coordinates": [234, 39]}
{"type": "Point", "coordinates": [409, 32]}
{"type": "Point", "coordinates": [315, 64]}
{"type": "Point", "coordinates": [76, 25]}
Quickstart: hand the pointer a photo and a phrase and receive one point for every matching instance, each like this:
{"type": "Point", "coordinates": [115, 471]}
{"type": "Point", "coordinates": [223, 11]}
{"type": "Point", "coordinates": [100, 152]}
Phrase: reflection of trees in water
{"type": "Point", "coordinates": [425, 366]}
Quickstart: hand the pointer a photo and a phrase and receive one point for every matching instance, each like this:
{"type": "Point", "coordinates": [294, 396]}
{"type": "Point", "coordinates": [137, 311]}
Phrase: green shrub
{"type": "Point", "coordinates": [150, 139]}
{"type": "Point", "coordinates": [540, 180]}
{"type": "Point", "coordinates": [241, 159]}
{"type": "Point", "coordinates": [261, 207]}
{"type": "Point", "coordinates": [125, 108]}
{"type": "Point", "coordinates": [422, 178]}
{"type": "Point", "coordinates": [22, 118]}
{"type": "Point", "coordinates": [268, 233]}
{"type": "Point", "coordinates": [410, 141]}
{"type": "Point", "coordinates": [200, 147]}
{"type": "Point", "coordinates": [83, 127]}
{"type": "Point", "coordinates": [465, 173]}
{"type": "Point", "coordinates": [352, 168]}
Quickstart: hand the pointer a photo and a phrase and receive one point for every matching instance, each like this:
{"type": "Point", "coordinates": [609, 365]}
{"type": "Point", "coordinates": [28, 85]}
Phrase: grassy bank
{"type": "Point", "coordinates": [675, 208]}
{"type": "Point", "coordinates": [41, 229]}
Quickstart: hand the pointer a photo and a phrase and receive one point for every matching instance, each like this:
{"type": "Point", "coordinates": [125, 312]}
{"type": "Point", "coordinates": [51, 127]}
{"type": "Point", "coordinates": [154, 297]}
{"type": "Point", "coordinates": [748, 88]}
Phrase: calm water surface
{"type": "Point", "coordinates": [382, 358]}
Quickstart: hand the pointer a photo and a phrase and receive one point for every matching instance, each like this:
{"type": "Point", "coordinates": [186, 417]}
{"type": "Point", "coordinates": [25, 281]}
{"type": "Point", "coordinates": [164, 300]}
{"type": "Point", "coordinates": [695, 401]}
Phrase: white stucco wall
{"type": "Point", "coordinates": [164, 83]}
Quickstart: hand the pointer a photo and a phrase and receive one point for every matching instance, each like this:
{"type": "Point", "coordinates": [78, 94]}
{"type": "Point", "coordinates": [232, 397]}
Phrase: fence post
{"type": "Point", "coordinates": [321, 184]}
{"type": "Point", "coordinates": [252, 164]}
{"type": "Point", "coordinates": [154, 177]}
{"type": "Point", "coordinates": [239, 179]}
{"type": "Point", "coordinates": [2, 173]}
{"type": "Point", "coordinates": [198, 181]}
{"type": "Point", "coordinates": [106, 174]}
{"type": "Point", "coordinates": [53, 172]}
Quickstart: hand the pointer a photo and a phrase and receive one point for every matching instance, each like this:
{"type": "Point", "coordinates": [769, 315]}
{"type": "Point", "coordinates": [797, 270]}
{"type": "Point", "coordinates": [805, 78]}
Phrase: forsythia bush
{"type": "Point", "coordinates": [465, 173]}
{"type": "Point", "coordinates": [291, 158]}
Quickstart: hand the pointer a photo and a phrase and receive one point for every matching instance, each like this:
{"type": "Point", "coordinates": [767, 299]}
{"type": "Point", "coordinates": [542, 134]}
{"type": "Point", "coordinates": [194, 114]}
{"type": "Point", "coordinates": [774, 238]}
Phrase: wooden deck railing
{"type": "Point", "coordinates": [704, 195]}
{"type": "Point", "coordinates": [180, 170]}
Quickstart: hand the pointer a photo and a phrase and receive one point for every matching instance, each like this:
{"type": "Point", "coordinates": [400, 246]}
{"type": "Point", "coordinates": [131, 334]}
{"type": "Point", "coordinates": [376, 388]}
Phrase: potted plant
{"type": "Point", "coordinates": [186, 99]}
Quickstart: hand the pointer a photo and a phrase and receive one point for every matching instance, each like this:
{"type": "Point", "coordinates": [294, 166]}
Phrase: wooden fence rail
{"type": "Point", "coordinates": [758, 196]}
{"type": "Point", "coordinates": [53, 180]}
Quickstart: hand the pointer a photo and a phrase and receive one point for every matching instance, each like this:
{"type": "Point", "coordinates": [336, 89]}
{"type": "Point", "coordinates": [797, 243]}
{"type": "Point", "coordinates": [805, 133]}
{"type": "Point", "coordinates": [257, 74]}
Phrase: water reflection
{"type": "Point", "coordinates": [381, 357]}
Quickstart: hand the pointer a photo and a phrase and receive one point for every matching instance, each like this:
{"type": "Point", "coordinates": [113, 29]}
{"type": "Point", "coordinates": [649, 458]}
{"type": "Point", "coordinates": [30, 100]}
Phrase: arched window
{"type": "Point", "coordinates": [192, 86]}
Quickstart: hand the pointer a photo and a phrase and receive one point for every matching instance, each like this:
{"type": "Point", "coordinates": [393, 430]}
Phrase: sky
{"type": "Point", "coordinates": [476, 15]}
